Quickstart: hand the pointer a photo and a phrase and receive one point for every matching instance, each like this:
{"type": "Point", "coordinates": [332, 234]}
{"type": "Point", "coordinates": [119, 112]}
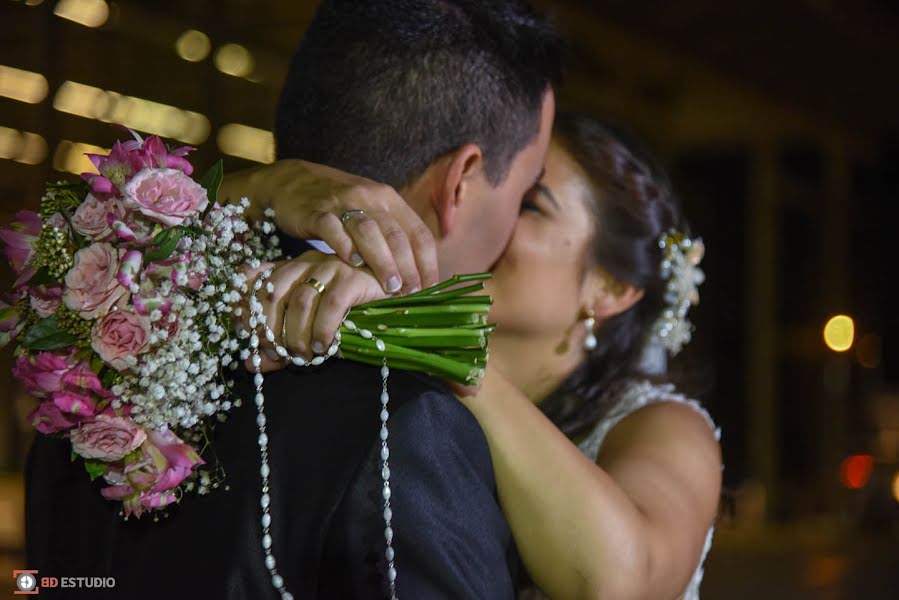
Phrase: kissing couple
{"type": "Point", "coordinates": [418, 139]}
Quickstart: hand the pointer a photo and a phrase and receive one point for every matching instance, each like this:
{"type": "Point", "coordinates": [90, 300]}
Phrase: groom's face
{"type": "Point", "coordinates": [486, 222]}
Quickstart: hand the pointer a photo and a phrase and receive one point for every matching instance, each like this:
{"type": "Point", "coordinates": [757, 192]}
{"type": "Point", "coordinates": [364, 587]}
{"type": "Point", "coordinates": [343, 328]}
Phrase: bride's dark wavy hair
{"type": "Point", "coordinates": [633, 205]}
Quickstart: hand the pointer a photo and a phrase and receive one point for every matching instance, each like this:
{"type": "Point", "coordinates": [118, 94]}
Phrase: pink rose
{"type": "Point", "coordinates": [119, 334]}
{"type": "Point", "coordinates": [45, 300]}
{"type": "Point", "coordinates": [149, 482]}
{"type": "Point", "coordinates": [18, 243]}
{"type": "Point", "coordinates": [92, 218]}
{"type": "Point", "coordinates": [167, 196]}
{"type": "Point", "coordinates": [75, 404]}
{"type": "Point", "coordinates": [43, 374]}
{"type": "Point", "coordinates": [48, 418]}
{"type": "Point", "coordinates": [91, 284]}
{"type": "Point", "coordinates": [107, 438]}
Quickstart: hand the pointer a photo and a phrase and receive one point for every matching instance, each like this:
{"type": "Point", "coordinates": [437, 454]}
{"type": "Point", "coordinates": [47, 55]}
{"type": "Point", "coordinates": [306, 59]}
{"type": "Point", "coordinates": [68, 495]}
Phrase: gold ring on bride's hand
{"type": "Point", "coordinates": [350, 214]}
{"type": "Point", "coordinates": [316, 284]}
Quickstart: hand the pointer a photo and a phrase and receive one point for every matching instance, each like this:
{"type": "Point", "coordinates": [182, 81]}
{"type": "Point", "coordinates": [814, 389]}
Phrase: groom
{"type": "Point", "coordinates": [450, 102]}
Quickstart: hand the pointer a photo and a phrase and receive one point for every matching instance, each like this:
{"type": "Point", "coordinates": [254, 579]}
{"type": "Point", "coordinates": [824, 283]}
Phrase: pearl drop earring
{"type": "Point", "coordinates": [589, 324]}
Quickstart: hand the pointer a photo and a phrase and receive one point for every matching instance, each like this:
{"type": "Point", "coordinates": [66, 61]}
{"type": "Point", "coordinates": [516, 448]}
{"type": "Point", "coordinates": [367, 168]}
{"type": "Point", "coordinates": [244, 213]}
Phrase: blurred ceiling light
{"type": "Point", "coordinates": [247, 142]}
{"type": "Point", "coordinates": [90, 13]}
{"type": "Point", "coordinates": [135, 113]}
{"type": "Point", "coordinates": [22, 146]}
{"type": "Point", "coordinates": [193, 45]}
{"type": "Point", "coordinates": [23, 86]}
{"type": "Point", "coordinates": [869, 350]}
{"type": "Point", "coordinates": [33, 2]}
{"type": "Point", "coordinates": [839, 333]}
{"type": "Point", "coordinates": [70, 157]}
{"type": "Point", "coordinates": [856, 471]}
{"type": "Point", "coordinates": [896, 487]}
{"type": "Point", "coordinates": [234, 59]}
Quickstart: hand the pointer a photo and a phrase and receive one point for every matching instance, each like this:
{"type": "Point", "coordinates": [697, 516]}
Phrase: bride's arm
{"type": "Point", "coordinates": [631, 526]}
{"type": "Point", "coordinates": [309, 199]}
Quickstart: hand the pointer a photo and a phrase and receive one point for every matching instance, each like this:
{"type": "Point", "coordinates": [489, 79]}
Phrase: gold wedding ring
{"type": "Point", "coordinates": [350, 214]}
{"type": "Point", "coordinates": [316, 284]}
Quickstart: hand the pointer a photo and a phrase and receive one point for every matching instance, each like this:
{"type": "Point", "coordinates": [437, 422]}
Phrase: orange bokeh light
{"type": "Point", "coordinates": [856, 470]}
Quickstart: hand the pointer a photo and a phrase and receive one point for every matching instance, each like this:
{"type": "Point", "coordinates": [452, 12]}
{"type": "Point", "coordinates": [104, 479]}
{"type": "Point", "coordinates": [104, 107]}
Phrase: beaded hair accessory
{"type": "Point", "coordinates": [680, 270]}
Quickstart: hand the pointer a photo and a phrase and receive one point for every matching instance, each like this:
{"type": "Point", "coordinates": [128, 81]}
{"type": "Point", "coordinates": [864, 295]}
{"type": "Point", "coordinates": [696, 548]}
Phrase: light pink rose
{"type": "Point", "coordinates": [149, 482]}
{"type": "Point", "coordinates": [119, 334]}
{"type": "Point", "coordinates": [107, 438]}
{"type": "Point", "coordinates": [167, 196]}
{"type": "Point", "coordinates": [91, 219]}
{"type": "Point", "coordinates": [45, 300]}
{"type": "Point", "coordinates": [91, 284]}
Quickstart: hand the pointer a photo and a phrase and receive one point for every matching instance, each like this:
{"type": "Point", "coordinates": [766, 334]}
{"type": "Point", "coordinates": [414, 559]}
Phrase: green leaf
{"type": "Point", "coordinates": [47, 334]}
{"type": "Point", "coordinates": [74, 455]}
{"type": "Point", "coordinates": [95, 468]}
{"type": "Point", "coordinates": [43, 277]}
{"type": "Point", "coordinates": [212, 181]}
{"type": "Point", "coordinates": [108, 378]}
{"type": "Point", "coordinates": [165, 243]}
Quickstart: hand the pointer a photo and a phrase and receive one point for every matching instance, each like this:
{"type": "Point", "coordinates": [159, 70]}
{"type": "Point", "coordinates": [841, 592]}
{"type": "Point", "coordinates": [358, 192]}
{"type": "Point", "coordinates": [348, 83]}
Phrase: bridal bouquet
{"type": "Point", "coordinates": [126, 286]}
{"type": "Point", "coordinates": [128, 283]}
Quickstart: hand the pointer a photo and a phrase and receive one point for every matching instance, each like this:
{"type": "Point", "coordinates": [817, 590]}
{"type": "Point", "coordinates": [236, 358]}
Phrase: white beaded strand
{"type": "Point", "coordinates": [257, 319]}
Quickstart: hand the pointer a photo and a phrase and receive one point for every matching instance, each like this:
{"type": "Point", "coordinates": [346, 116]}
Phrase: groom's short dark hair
{"type": "Point", "coordinates": [382, 88]}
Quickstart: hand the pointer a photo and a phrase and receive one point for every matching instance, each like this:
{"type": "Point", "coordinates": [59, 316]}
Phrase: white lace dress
{"type": "Point", "coordinates": [633, 397]}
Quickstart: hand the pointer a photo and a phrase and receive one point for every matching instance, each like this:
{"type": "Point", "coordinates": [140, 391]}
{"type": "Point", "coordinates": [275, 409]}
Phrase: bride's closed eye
{"type": "Point", "coordinates": [538, 199]}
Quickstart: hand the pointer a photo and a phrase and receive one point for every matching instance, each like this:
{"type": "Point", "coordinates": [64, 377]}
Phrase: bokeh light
{"type": "Point", "coordinates": [856, 471]}
{"type": "Point", "coordinates": [90, 13]}
{"type": "Point", "coordinates": [247, 142]}
{"type": "Point", "coordinates": [193, 45]}
{"type": "Point", "coordinates": [234, 59]}
{"type": "Point", "coordinates": [22, 85]}
{"type": "Point", "coordinates": [70, 157]}
{"type": "Point", "coordinates": [896, 486]}
{"type": "Point", "coordinates": [839, 333]}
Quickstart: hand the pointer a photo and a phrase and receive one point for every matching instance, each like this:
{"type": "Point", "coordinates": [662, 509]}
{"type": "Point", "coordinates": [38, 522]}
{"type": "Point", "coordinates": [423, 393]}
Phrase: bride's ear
{"type": "Point", "coordinates": [457, 185]}
{"type": "Point", "coordinates": [610, 297]}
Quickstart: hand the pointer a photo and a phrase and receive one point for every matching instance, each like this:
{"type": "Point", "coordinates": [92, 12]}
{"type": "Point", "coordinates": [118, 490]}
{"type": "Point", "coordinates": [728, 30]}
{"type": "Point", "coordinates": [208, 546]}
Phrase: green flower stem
{"type": "Point", "coordinates": [423, 361]}
{"type": "Point", "coordinates": [440, 330]}
{"type": "Point", "coordinates": [429, 299]}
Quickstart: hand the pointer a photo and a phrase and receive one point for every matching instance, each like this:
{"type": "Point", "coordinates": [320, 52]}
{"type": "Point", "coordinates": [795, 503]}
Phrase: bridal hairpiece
{"type": "Point", "coordinates": [680, 270]}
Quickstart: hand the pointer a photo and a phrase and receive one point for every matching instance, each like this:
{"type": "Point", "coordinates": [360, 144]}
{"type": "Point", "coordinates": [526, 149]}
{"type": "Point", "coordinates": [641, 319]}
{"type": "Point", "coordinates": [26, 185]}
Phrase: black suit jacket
{"type": "Point", "coordinates": [451, 539]}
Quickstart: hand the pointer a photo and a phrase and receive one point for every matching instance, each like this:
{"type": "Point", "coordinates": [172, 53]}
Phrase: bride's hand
{"type": "Point", "coordinates": [309, 200]}
{"type": "Point", "coordinates": [303, 316]}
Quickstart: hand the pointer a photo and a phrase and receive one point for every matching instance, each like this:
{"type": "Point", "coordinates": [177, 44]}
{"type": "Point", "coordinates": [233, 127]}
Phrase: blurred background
{"type": "Point", "coordinates": [778, 121]}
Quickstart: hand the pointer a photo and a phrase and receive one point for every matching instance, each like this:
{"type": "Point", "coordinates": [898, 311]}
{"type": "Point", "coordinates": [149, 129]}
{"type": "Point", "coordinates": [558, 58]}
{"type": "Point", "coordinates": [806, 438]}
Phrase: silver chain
{"type": "Point", "coordinates": [257, 320]}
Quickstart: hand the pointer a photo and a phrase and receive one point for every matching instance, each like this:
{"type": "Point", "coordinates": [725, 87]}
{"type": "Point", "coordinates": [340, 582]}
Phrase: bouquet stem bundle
{"type": "Point", "coordinates": [441, 330]}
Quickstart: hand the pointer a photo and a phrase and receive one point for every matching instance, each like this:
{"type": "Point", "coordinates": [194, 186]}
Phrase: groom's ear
{"type": "Point", "coordinates": [461, 176]}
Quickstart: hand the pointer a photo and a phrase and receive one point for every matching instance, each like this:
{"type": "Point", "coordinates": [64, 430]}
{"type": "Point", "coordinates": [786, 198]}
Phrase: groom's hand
{"type": "Point", "coordinates": [309, 200]}
{"type": "Point", "coordinates": [305, 317]}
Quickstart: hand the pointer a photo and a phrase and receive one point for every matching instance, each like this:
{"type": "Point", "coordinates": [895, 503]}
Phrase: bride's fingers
{"type": "Point", "coordinates": [375, 250]}
{"type": "Point", "coordinates": [327, 227]}
{"type": "Point", "coordinates": [301, 306]}
{"type": "Point", "coordinates": [348, 288]}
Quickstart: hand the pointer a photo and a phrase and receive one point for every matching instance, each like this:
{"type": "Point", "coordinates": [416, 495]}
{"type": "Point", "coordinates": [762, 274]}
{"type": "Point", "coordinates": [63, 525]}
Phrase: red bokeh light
{"type": "Point", "coordinates": [856, 470]}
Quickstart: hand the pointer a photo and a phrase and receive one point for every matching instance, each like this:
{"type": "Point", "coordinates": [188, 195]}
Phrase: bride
{"type": "Point", "coordinates": [608, 477]}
